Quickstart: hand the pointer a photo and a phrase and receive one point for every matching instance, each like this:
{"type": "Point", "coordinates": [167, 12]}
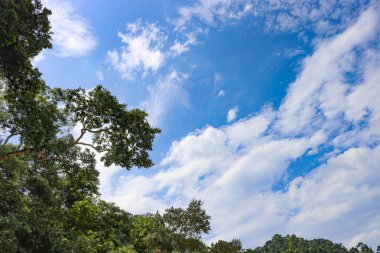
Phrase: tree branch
{"type": "Point", "coordinates": [18, 153]}
{"type": "Point", "coordinates": [82, 132]}
{"type": "Point", "coordinates": [87, 144]}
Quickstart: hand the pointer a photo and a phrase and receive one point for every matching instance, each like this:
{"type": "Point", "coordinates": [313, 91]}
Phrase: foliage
{"type": "Point", "coordinates": [123, 137]}
{"type": "Point", "coordinates": [177, 230]}
{"type": "Point", "coordinates": [190, 222]}
{"type": "Point", "coordinates": [226, 247]}
{"type": "Point", "coordinates": [293, 244]}
{"type": "Point", "coordinates": [24, 32]}
{"type": "Point", "coordinates": [143, 233]}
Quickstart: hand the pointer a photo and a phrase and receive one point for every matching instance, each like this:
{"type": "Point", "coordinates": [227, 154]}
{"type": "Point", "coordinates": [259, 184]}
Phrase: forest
{"type": "Point", "coordinates": [49, 185]}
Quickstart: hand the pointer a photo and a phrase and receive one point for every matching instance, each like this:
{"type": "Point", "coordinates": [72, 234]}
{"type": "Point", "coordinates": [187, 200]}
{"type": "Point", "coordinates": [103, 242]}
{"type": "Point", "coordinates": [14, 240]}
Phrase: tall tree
{"type": "Point", "coordinates": [48, 184]}
{"type": "Point", "coordinates": [187, 225]}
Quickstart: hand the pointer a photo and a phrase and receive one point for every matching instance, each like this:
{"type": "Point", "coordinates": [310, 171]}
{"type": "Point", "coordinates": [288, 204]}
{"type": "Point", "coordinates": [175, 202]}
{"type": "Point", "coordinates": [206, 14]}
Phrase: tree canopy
{"type": "Point", "coordinates": [294, 244]}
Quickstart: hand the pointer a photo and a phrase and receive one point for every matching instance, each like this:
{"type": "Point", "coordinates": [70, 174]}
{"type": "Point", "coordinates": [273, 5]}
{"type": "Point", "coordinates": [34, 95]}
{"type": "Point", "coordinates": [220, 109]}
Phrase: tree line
{"type": "Point", "coordinates": [49, 186]}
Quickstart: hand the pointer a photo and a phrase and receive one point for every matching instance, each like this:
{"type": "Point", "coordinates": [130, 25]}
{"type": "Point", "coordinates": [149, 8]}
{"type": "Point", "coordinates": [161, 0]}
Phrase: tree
{"type": "Point", "coordinates": [294, 244]}
{"type": "Point", "coordinates": [187, 225]}
{"type": "Point", "coordinates": [30, 110]}
{"type": "Point", "coordinates": [123, 136]}
{"type": "Point", "coordinates": [49, 200]}
{"type": "Point", "coordinates": [190, 222]}
{"type": "Point", "coordinates": [143, 233]}
{"type": "Point", "coordinates": [362, 248]}
{"type": "Point", "coordinates": [24, 32]}
{"type": "Point", "coordinates": [226, 247]}
{"type": "Point", "coordinates": [177, 230]}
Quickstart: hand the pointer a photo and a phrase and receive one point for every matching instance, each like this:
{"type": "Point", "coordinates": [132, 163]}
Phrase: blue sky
{"type": "Point", "coordinates": [269, 109]}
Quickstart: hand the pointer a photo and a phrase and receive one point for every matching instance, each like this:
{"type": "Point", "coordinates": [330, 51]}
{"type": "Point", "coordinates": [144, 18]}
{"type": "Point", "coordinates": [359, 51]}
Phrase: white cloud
{"type": "Point", "coordinates": [221, 93]}
{"type": "Point", "coordinates": [279, 15]}
{"type": "Point", "coordinates": [209, 11]}
{"type": "Point", "coordinates": [166, 92]}
{"type": "Point", "coordinates": [146, 49]}
{"type": "Point", "coordinates": [344, 190]}
{"type": "Point", "coordinates": [142, 50]}
{"type": "Point", "coordinates": [321, 87]}
{"type": "Point", "coordinates": [179, 48]}
{"type": "Point", "coordinates": [72, 35]}
{"type": "Point", "coordinates": [233, 168]}
{"type": "Point", "coordinates": [232, 114]}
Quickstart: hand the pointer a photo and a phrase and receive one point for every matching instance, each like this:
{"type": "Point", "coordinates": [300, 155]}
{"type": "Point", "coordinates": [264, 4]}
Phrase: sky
{"type": "Point", "coordinates": [269, 110]}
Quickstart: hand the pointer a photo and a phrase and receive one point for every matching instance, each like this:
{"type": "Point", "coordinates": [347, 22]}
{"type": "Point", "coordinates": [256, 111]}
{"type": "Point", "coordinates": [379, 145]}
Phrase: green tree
{"type": "Point", "coordinates": [143, 232]}
{"type": "Point", "coordinates": [186, 226]}
{"type": "Point", "coordinates": [294, 244]}
{"type": "Point", "coordinates": [190, 222]}
{"type": "Point", "coordinates": [124, 137]}
{"type": "Point", "coordinates": [362, 248]}
{"type": "Point", "coordinates": [226, 247]}
{"type": "Point", "coordinates": [24, 32]}
{"type": "Point", "coordinates": [177, 230]}
{"type": "Point", "coordinates": [48, 184]}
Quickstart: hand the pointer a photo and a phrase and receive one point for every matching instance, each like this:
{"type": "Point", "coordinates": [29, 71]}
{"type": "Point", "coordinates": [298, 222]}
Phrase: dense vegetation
{"type": "Point", "coordinates": [293, 244]}
{"type": "Point", "coordinates": [49, 198]}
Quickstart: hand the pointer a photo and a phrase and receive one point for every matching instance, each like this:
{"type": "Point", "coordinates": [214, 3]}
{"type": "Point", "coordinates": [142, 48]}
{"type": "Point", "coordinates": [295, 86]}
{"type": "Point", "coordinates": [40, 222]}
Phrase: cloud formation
{"type": "Point", "coordinates": [72, 34]}
{"type": "Point", "coordinates": [166, 92]}
{"type": "Point", "coordinates": [142, 50]}
{"type": "Point", "coordinates": [321, 16]}
{"type": "Point", "coordinates": [331, 110]}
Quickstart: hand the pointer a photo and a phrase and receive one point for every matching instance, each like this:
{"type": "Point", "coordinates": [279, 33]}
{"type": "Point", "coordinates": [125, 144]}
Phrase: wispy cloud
{"type": "Point", "coordinates": [72, 34]}
{"type": "Point", "coordinates": [164, 94]}
{"type": "Point", "coordinates": [322, 17]}
{"type": "Point", "coordinates": [221, 93]}
{"type": "Point", "coordinates": [210, 12]}
{"type": "Point", "coordinates": [146, 49]}
{"type": "Point", "coordinates": [142, 50]}
{"type": "Point", "coordinates": [233, 168]}
{"type": "Point", "coordinates": [232, 114]}
{"type": "Point", "coordinates": [179, 47]}
{"type": "Point", "coordinates": [321, 86]}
